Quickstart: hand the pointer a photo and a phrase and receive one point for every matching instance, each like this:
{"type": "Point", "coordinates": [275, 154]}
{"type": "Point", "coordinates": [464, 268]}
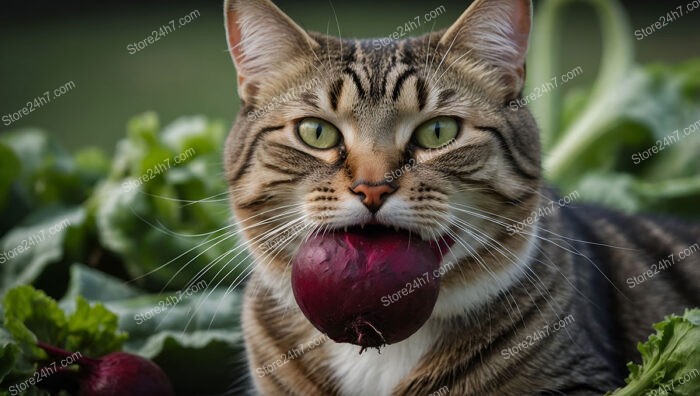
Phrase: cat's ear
{"type": "Point", "coordinates": [262, 40]}
{"type": "Point", "coordinates": [495, 32]}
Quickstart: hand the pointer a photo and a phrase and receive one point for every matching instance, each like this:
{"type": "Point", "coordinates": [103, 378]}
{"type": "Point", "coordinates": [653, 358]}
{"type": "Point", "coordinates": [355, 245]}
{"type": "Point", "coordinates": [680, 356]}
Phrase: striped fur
{"type": "Point", "coordinates": [504, 287]}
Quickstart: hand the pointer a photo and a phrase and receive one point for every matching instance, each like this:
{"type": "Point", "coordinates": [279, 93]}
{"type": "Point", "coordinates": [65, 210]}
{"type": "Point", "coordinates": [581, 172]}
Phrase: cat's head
{"type": "Point", "coordinates": [418, 134]}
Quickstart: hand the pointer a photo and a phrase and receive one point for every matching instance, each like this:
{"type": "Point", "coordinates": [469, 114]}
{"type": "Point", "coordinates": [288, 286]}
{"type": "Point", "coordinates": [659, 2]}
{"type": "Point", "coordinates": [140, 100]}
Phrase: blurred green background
{"type": "Point", "coordinates": [46, 44]}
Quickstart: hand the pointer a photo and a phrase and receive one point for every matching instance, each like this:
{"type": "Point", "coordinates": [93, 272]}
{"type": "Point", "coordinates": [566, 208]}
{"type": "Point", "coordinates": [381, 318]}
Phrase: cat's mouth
{"type": "Point", "coordinates": [373, 229]}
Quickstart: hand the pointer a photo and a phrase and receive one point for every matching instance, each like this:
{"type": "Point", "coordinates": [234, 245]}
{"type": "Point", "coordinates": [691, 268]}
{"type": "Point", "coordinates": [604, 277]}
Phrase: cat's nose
{"type": "Point", "coordinates": [373, 195]}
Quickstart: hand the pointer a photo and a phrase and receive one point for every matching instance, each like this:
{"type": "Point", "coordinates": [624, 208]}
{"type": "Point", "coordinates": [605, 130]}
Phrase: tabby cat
{"type": "Point", "coordinates": [324, 120]}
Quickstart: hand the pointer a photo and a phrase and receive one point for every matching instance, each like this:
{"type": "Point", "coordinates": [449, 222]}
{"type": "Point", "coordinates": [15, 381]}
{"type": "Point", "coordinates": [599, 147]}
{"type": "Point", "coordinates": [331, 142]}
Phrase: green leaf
{"type": "Point", "coordinates": [616, 61]}
{"type": "Point", "coordinates": [143, 129]}
{"type": "Point", "coordinates": [48, 173]}
{"type": "Point", "coordinates": [97, 286]}
{"type": "Point", "coordinates": [93, 330]}
{"type": "Point", "coordinates": [189, 339]}
{"type": "Point", "coordinates": [669, 358]}
{"type": "Point", "coordinates": [10, 168]}
{"type": "Point", "coordinates": [161, 211]}
{"type": "Point", "coordinates": [28, 250]}
{"type": "Point", "coordinates": [9, 353]}
{"type": "Point", "coordinates": [31, 316]}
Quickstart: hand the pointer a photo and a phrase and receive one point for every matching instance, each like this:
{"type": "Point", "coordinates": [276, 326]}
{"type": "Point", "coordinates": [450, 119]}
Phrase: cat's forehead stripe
{"type": "Point", "coordinates": [335, 93]}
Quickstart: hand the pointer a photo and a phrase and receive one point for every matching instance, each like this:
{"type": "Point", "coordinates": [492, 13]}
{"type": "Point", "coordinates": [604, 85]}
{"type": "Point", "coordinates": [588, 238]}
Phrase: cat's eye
{"type": "Point", "coordinates": [436, 132]}
{"type": "Point", "coordinates": [318, 134]}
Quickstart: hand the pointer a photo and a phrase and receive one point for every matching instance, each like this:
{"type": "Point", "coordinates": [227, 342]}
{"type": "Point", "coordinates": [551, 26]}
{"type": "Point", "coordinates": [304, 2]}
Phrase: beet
{"type": "Point", "coordinates": [122, 373]}
{"type": "Point", "coordinates": [116, 374]}
{"type": "Point", "coordinates": [343, 282]}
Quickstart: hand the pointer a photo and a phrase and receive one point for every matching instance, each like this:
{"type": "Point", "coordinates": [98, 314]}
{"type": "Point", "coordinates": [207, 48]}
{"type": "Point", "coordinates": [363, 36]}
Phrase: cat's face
{"type": "Point", "coordinates": [415, 135]}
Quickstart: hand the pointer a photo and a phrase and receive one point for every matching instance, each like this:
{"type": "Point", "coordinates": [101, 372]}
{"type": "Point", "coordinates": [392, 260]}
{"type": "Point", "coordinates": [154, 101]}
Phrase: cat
{"type": "Point", "coordinates": [546, 309]}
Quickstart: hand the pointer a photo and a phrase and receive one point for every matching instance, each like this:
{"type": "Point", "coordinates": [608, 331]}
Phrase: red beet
{"type": "Point", "coordinates": [116, 374]}
{"type": "Point", "coordinates": [121, 373]}
{"type": "Point", "coordinates": [344, 283]}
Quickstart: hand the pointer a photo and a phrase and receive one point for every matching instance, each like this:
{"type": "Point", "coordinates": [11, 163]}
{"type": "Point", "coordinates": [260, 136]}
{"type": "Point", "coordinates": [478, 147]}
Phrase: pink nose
{"type": "Point", "coordinates": [373, 196]}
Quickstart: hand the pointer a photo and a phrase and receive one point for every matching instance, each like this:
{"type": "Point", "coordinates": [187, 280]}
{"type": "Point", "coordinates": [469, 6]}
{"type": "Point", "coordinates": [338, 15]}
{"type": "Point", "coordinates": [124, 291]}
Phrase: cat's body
{"type": "Point", "coordinates": [545, 309]}
{"type": "Point", "coordinates": [471, 355]}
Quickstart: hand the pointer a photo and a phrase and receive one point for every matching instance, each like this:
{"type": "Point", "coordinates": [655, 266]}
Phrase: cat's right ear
{"type": "Point", "coordinates": [496, 32]}
{"type": "Point", "coordinates": [262, 41]}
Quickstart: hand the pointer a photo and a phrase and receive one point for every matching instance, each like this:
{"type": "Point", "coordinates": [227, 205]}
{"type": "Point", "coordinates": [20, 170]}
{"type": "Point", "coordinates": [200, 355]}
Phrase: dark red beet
{"type": "Point", "coordinates": [125, 374]}
{"type": "Point", "coordinates": [116, 374]}
{"type": "Point", "coordinates": [341, 282]}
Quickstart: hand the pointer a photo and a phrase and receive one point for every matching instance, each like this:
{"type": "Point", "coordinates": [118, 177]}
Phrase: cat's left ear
{"type": "Point", "coordinates": [495, 32]}
{"type": "Point", "coordinates": [263, 42]}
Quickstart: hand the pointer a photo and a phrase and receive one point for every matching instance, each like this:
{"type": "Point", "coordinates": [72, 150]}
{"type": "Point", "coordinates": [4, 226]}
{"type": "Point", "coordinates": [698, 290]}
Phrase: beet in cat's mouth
{"type": "Point", "coordinates": [374, 229]}
{"type": "Point", "coordinates": [342, 279]}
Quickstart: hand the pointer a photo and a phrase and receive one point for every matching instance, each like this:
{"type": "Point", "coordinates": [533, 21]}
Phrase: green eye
{"type": "Point", "coordinates": [318, 134]}
{"type": "Point", "coordinates": [436, 132]}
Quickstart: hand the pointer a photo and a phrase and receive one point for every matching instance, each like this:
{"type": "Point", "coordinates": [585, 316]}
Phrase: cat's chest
{"type": "Point", "coordinates": [374, 373]}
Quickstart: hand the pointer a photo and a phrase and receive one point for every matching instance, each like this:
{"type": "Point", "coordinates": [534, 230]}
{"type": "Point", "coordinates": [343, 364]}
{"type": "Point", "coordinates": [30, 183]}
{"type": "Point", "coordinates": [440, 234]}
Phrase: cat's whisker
{"type": "Point", "coordinates": [575, 252]}
{"type": "Point", "coordinates": [211, 241]}
{"type": "Point", "coordinates": [189, 201]}
{"type": "Point", "coordinates": [452, 64]}
{"type": "Point", "coordinates": [520, 234]}
{"type": "Point", "coordinates": [274, 231]}
{"type": "Point", "coordinates": [263, 260]}
{"type": "Point", "coordinates": [340, 35]}
{"type": "Point", "coordinates": [454, 39]}
{"type": "Point", "coordinates": [513, 258]}
{"type": "Point", "coordinates": [218, 259]}
{"type": "Point", "coordinates": [328, 40]}
{"type": "Point", "coordinates": [479, 260]}
{"type": "Point", "coordinates": [513, 221]}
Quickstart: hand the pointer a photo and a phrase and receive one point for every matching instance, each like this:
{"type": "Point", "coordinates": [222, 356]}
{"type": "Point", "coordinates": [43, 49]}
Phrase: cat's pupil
{"type": "Point", "coordinates": [437, 129]}
{"type": "Point", "coordinates": [319, 129]}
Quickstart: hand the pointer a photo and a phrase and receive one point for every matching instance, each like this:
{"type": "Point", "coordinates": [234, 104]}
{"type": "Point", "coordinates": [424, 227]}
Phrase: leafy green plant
{"type": "Point", "coordinates": [670, 359]}
{"type": "Point", "coordinates": [591, 134]}
{"type": "Point", "coordinates": [32, 317]}
{"type": "Point", "coordinates": [132, 244]}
